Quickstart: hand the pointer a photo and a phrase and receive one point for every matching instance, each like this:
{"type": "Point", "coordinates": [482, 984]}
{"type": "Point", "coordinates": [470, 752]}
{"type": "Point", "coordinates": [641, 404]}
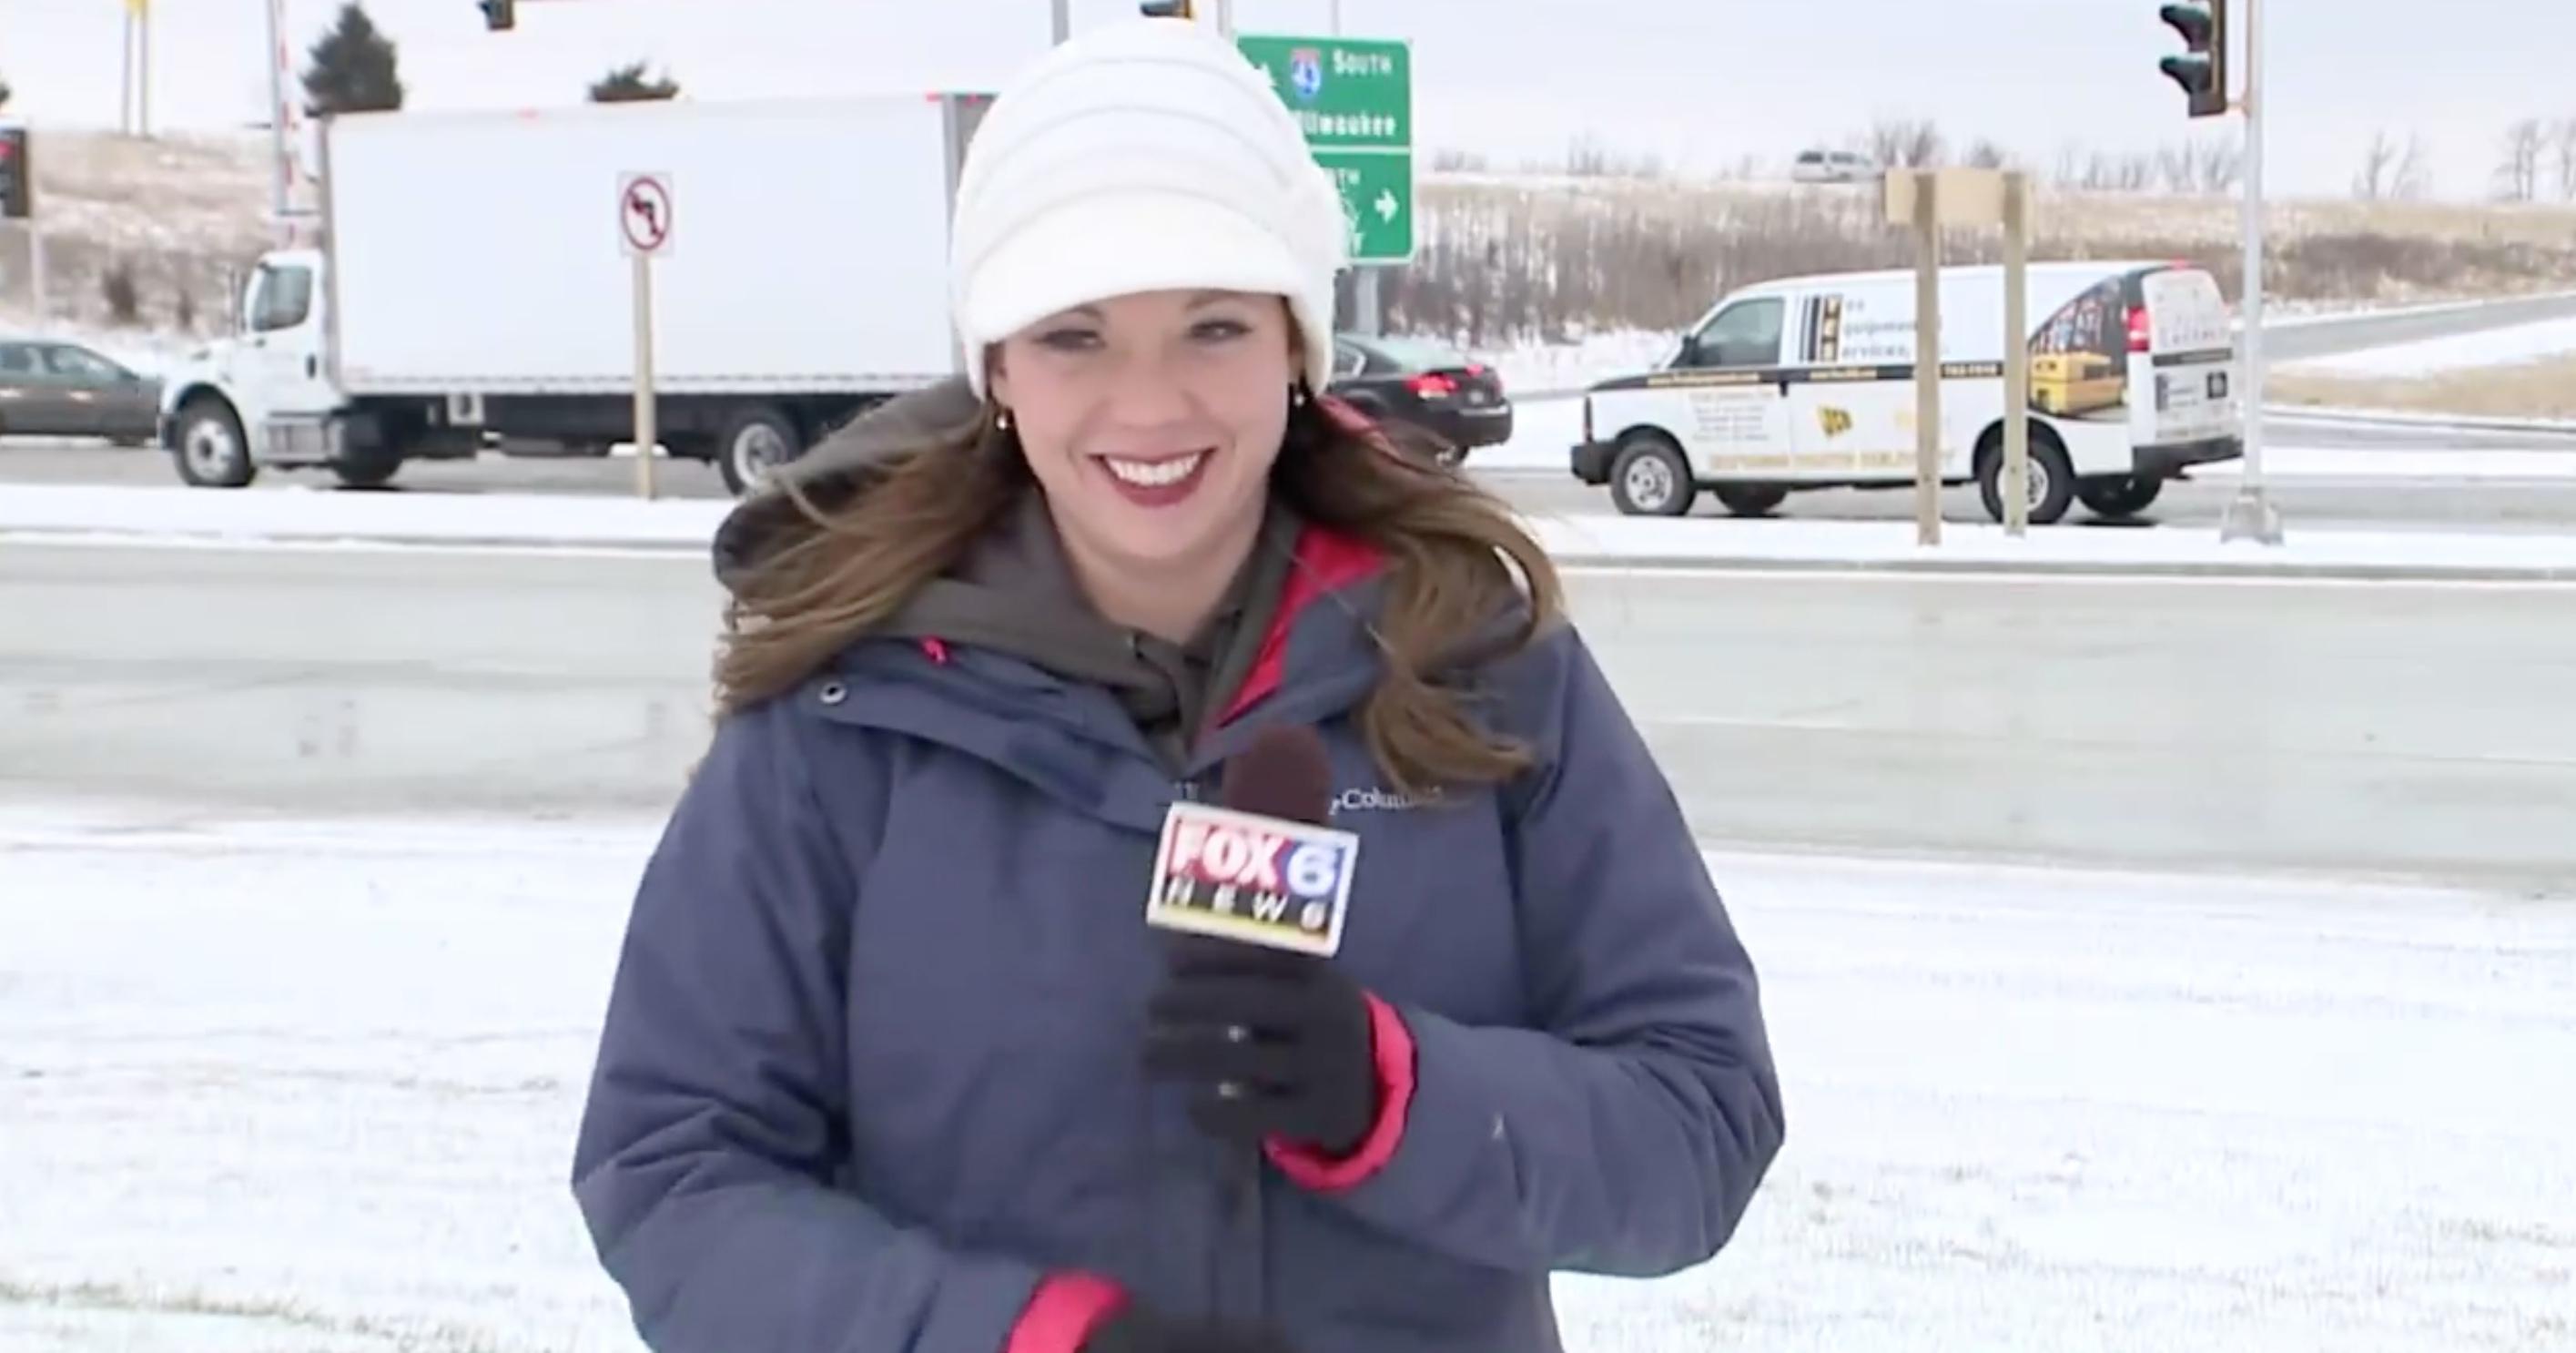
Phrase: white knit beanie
{"type": "Point", "coordinates": [1147, 155]}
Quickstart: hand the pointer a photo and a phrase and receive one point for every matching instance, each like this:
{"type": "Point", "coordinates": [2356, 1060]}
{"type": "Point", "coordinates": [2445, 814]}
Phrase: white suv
{"type": "Point", "coordinates": [1833, 166]}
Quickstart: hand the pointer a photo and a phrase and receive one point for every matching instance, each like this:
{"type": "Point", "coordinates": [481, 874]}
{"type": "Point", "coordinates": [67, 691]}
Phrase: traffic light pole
{"type": "Point", "coordinates": [1366, 306]}
{"type": "Point", "coordinates": [2252, 516]}
{"type": "Point", "coordinates": [280, 166]}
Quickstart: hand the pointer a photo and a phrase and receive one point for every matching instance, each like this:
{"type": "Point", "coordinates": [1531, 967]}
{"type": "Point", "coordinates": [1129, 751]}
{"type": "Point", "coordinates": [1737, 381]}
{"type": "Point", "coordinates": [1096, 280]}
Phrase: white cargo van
{"type": "Point", "coordinates": [1808, 383]}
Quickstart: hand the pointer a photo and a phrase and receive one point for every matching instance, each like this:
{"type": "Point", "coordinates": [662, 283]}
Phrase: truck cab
{"type": "Point", "coordinates": [270, 395]}
{"type": "Point", "coordinates": [267, 395]}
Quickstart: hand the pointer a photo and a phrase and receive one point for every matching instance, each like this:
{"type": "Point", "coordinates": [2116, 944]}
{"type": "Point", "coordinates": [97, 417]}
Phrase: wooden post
{"type": "Point", "coordinates": [1927, 359]}
{"type": "Point", "coordinates": [647, 434]}
{"type": "Point", "coordinates": [2016, 353]}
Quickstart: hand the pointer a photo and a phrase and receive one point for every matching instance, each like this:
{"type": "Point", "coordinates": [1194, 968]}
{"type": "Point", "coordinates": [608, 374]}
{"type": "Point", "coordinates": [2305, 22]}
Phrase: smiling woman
{"type": "Point", "coordinates": [1152, 421]}
{"type": "Point", "coordinates": [894, 1061]}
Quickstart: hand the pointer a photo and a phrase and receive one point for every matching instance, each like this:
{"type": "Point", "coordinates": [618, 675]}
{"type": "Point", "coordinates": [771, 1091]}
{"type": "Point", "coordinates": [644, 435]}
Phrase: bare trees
{"type": "Point", "coordinates": [2392, 173]}
{"type": "Point", "coordinates": [1906, 143]}
{"type": "Point", "coordinates": [2518, 172]}
{"type": "Point", "coordinates": [2207, 166]}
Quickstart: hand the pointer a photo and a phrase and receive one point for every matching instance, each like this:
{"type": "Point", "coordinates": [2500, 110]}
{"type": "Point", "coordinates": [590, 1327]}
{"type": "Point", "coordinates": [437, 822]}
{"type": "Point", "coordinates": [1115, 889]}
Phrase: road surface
{"type": "Point", "coordinates": [2421, 729]}
{"type": "Point", "coordinates": [2292, 340]}
{"type": "Point", "coordinates": [2375, 502]}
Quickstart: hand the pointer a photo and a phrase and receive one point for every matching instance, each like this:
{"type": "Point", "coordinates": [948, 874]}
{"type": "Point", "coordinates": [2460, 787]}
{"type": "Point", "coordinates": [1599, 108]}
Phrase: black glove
{"type": "Point", "coordinates": [1135, 1330]}
{"type": "Point", "coordinates": [1271, 1044]}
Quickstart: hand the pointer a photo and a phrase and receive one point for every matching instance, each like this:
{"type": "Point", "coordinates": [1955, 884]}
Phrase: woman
{"type": "Point", "coordinates": [894, 1065]}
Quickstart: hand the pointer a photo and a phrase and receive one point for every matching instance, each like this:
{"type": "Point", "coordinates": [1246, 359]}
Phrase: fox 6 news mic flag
{"type": "Point", "coordinates": [1245, 876]}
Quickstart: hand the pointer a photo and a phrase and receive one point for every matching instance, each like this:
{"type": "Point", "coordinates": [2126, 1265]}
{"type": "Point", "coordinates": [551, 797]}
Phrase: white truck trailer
{"type": "Point", "coordinates": [471, 291]}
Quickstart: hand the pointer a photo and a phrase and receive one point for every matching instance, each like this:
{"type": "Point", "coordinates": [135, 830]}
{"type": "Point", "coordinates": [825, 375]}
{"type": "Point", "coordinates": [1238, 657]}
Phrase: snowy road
{"type": "Point", "coordinates": [2412, 728]}
{"type": "Point", "coordinates": [2329, 473]}
{"type": "Point", "coordinates": [312, 1090]}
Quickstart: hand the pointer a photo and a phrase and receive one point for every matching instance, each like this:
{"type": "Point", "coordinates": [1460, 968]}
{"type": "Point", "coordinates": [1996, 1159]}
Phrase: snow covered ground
{"type": "Point", "coordinates": [290, 1087]}
{"type": "Point", "coordinates": [1542, 369]}
{"type": "Point", "coordinates": [308, 518]}
{"type": "Point", "coordinates": [149, 353]}
{"type": "Point", "coordinates": [1545, 430]}
{"type": "Point", "coordinates": [2511, 346]}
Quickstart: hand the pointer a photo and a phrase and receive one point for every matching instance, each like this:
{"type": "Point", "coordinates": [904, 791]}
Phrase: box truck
{"type": "Point", "coordinates": [472, 291]}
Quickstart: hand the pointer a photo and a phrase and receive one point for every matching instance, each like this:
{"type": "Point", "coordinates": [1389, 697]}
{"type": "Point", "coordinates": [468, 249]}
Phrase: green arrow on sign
{"type": "Point", "coordinates": [1377, 197]}
{"type": "Point", "coordinates": [1354, 100]}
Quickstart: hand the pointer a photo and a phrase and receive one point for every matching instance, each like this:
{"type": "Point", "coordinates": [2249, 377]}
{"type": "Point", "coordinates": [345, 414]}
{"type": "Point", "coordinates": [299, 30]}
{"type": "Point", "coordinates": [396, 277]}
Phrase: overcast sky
{"type": "Point", "coordinates": [1699, 82]}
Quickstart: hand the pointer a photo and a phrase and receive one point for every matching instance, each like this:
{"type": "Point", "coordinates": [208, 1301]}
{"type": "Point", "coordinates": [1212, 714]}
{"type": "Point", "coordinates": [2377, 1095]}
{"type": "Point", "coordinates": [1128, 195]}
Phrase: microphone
{"type": "Point", "coordinates": [1262, 867]}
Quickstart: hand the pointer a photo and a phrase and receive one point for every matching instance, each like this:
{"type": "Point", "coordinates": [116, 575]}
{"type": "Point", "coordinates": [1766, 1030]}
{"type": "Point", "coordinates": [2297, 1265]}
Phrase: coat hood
{"type": "Point", "coordinates": [1014, 593]}
{"type": "Point", "coordinates": [840, 467]}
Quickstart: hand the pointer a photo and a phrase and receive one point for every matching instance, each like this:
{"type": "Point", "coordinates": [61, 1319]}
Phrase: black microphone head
{"type": "Point", "coordinates": [1285, 774]}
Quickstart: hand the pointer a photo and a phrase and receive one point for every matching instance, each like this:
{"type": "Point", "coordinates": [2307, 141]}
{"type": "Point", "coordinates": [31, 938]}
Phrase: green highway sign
{"type": "Point", "coordinates": [1354, 99]}
{"type": "Point", "coordinates": [1377, 196]}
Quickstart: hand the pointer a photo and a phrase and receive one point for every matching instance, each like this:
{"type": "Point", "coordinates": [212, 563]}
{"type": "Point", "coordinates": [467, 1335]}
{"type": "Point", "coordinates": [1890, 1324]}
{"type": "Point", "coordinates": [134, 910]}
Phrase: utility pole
{"type": "Point", "coordinates": [2252, 515]}
{"type": "Point", "coordinates": [142, 12]}
{"type": "Point", "coordinates": [1063, 21]}
{"type": "Point", "coordinates": [125, 92]}
{"type": "Point", "coordinates": [280, 146]}
{"type": "Point", "coordinates": [1365, 300]}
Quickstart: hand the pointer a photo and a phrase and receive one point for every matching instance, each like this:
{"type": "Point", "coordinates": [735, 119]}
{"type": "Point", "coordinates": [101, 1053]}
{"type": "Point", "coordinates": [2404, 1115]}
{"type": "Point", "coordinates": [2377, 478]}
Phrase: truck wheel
{"type": "Point", "coordinates": [1651, 478]}
{"type": "Point", "coordinates": [367, 469]}
{"type": "Point", "coordinates": [2119, 495]}
{"type": "Point", "coordinates": [2052, 477]}
{"type": "Point", "coordinates": [754, 442]}
{"type": "Point", "coordinates": [1751, 500]}
{"type": "Point", "coordinates": [209, 448]}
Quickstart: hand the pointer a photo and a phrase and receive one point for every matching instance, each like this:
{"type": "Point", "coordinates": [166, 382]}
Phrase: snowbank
{"type": "Point", "coordinates": [1545, 430]}
{"type": "Point", "coordinates": [1539, 370]}
{"type": "Point", "coordinates": [2510, 346]}
{"type": "Point", "coordinates": [524, 521]}
{"type": "Point", "coordinates": [314, 1085]}
{"type": "Point", "coordinates": [152, 352]}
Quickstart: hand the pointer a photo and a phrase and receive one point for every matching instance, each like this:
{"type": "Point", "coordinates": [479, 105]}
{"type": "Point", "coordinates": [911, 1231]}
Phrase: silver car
{"type": "Point", "coordinates": [52, 389]}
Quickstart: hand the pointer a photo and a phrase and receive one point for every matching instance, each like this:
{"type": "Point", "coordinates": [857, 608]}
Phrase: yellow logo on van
{"type": "Point", "coordinates": [1836, 421]}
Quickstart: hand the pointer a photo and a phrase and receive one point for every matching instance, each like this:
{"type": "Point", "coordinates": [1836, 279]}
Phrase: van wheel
{"type": "Point", "coordinates": [1651, 479]}
{"type": "Point", "coordinates": [1751, 500]}
{"type": "Point", "coordinates": [754, 442]}
{"type": "Point", "coordinates": [2119, 495]}
{"type": "Point", "coordinates": [2052, 476]}
{"type": "Point", "coordinates": [209, 448]}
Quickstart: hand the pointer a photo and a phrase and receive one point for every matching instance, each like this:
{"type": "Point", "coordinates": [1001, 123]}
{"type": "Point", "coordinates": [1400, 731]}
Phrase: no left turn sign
{"type": "Point", "coordinates": [644, 213]}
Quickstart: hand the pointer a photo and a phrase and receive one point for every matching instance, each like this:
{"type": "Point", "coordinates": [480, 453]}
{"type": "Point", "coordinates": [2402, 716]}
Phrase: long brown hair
{"type": "Point", "coordinates": [1451, 552]}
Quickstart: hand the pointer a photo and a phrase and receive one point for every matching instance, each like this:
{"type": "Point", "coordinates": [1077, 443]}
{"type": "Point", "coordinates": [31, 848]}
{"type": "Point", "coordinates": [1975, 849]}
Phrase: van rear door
{"type": "Point", "coordinates": [2182, 359]}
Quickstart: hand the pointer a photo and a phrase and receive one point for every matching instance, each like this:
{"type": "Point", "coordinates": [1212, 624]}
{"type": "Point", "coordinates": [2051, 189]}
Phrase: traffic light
{"type": "Point", "coordinates": [2203, 73]}
{"type": "Point", "coordinates": [500, 16]}
{"type": "Point", "coordinates": [17, 185]}
{"type": "Point", "coordinates": [1165, 9]}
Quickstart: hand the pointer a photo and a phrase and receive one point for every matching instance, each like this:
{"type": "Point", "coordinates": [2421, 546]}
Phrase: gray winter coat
{"type": "Point", "coordinates": [870, 1077]}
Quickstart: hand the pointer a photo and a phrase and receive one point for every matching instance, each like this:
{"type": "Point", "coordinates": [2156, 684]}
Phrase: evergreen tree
{"type": "Point", "coordinates": [354, 68]}
{"type": "Point", "coordinates": [4, 93]}
{"type": "Point", "coordinates": [628, 84]}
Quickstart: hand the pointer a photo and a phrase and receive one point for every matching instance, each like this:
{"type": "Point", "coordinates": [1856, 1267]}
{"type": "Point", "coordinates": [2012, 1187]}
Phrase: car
{"type": "Point", "coordinates": [1833, 166]}
{"type": "Point", "coordinates": [56, 389]}
{"type": "Point", "coordinates": [1456, 402]}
